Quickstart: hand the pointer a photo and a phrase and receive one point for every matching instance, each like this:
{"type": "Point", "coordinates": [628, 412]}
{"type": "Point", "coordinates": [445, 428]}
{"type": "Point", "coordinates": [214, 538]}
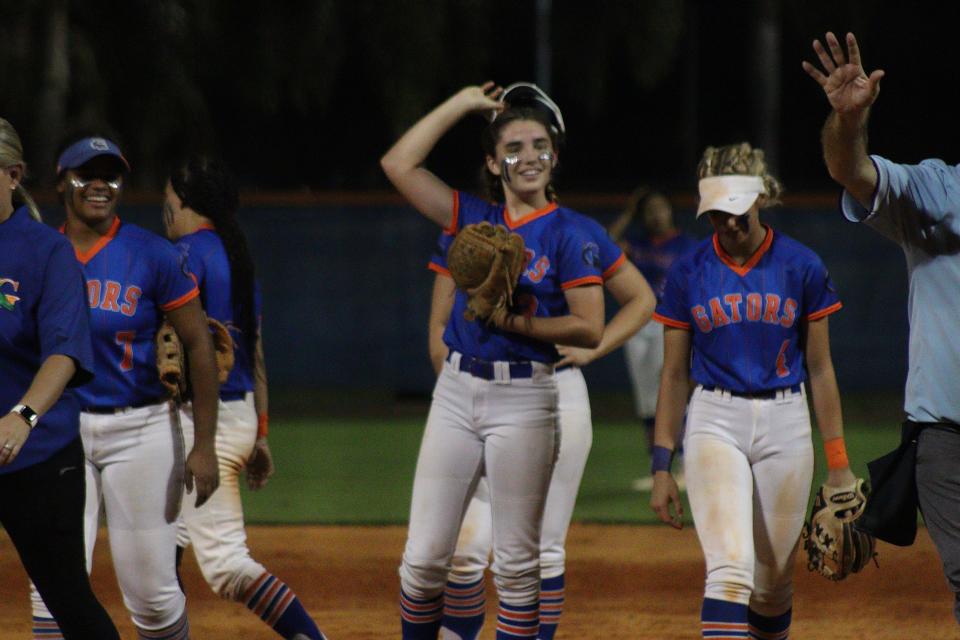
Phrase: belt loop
{"type": "Point", "coordinates": [454, 359]}
{"type": "Point", "coordinates": [783, 395]}
{"type": "Point", "coordinates": [501, 372]}
{"type": "Point", "coordinates": [725, 394]}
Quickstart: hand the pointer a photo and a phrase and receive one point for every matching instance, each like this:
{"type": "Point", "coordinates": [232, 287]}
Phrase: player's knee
{"type": "Point", "coordinates": [159, 611]}
{"type": "Point", "coordinates": [518, 586]}
{"type": "Point", "coordinates": [422, 578]}
{"type": "Point", "coordinates": [230, 580]}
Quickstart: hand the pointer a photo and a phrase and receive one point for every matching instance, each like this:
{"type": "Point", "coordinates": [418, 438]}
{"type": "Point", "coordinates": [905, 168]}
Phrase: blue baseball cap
{"type": "Point", "coordinates": [83, 151]}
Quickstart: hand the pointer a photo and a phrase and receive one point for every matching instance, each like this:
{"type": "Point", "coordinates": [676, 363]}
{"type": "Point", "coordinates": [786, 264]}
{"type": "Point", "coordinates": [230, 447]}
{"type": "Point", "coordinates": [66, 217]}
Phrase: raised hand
{"type": "Point", "coordinates": [847, 86]}
{"type": "Point", "coordinates": [482, 98]}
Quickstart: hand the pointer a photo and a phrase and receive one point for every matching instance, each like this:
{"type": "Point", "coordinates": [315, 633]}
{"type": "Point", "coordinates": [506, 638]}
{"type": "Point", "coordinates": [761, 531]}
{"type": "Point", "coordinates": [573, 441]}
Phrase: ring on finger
{"type": "Point", "coordinates": [8, 447]}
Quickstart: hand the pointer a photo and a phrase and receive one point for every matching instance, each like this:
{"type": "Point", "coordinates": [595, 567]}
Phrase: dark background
{"type": "Point", "coordinates": [307, 94]}
{"type": "Point", "coordinates": [303, 97]}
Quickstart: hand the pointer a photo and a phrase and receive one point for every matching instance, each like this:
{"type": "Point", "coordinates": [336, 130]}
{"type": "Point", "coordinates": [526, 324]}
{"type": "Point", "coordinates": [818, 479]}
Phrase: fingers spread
{"type": "Point", "coordinates": [814, 73]}
{"type": "Point", "coordinates": [824, 57]}
{"type": "Point", "coordinates": [835, 49]}
{"type": "Point", "coordinates": [853, 50]}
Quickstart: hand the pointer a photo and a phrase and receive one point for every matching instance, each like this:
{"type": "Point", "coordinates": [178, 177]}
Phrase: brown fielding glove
{"type": "Point", "coordinates": [170, 362]}
{"type": "Point", "coordinates": [835, 547]}
{"type": "Point", "coordinates": [485, 261]}
{"type": "Point", "coordinates": [223, 346]}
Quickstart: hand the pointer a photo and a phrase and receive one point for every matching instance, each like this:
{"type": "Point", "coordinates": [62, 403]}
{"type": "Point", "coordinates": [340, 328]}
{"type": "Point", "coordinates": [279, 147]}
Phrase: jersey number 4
{"type": "Point", "coordinates": [782, 370]}
{"type": "Point", "coordinates": [125, 340]}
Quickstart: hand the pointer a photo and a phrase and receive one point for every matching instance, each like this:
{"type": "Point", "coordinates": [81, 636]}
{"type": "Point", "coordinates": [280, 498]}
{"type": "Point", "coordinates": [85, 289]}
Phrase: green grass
{"type": "Point", "coordinates": [360, 471]}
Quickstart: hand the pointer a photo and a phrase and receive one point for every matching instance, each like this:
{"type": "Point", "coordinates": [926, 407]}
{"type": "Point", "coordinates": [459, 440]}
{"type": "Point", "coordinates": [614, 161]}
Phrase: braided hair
{"type": "Point", "coordinates": [208, 187]}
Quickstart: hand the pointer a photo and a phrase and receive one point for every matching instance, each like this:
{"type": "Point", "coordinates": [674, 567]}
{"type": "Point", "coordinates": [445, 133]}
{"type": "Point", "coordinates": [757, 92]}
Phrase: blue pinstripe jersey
{"type": "Point", "coordinates": [207, 260]}
{"type": "Point", "coordinates": [133, 277]}
{"type": "Point", "coordinates": [561, 254]}
{"type": "Point", "coordinates": [745, 320]}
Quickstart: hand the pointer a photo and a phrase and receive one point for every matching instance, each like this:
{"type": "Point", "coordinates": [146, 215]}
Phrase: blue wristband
{"type": "Point", "coordinates": [662, 458]}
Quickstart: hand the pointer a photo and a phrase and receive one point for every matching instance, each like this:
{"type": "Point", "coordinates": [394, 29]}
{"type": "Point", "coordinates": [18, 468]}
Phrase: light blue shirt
{"type": "Point", "coordinates": [918, 207]}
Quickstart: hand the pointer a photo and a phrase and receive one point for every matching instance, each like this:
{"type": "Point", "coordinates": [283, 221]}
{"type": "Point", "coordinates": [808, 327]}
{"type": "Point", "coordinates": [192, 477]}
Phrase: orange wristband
{"type": "Point", "coordinates": [262, 428]}
{"type": "Point", "coordinates": [836, 451]}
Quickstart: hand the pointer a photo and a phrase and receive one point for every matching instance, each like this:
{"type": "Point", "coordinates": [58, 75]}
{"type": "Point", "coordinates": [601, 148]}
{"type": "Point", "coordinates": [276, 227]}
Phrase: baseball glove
{"type": "Point", "coordinates": [486, 262]}
{"type": "Point", "coordinates": [170, 361]}
{"type": "Point", "coordinates": [835, 546]}
{"type": "Point", "coordinates": [172, 365]}
{"type": "Point", "coordinates": [223, 347]}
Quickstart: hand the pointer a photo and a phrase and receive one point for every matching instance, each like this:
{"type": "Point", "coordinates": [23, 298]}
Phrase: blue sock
{"type": "Point", "coordinates": [46, 629]}
{"type": "Point", "coordinates": [280, 608]}
{"type": "Point", "coordinates": [464, 607]}
{"type": "Point", "coordinates": [420, 619]}
{"type": "Point", "coordinates": [518, 622]}
{"type": "Point", "coordinates": [551, 606]}
{"type": "Point", "coordinates": [722, 619]}
{"type": "Point", "coordinates": [770, 628]}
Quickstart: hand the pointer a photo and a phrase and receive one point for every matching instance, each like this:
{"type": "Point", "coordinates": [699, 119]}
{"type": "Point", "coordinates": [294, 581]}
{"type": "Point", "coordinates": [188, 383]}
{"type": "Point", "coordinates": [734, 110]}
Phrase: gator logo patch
{"type": "Point", "coordinates": [7, 288]}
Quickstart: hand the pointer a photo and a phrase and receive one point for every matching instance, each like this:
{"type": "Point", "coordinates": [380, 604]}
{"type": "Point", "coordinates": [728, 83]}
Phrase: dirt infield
{"type": "Point", "coordinates": [623, 582]}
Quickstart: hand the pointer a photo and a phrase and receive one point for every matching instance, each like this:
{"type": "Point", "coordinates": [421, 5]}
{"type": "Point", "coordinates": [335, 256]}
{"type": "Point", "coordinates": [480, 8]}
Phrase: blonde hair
{"type": "Point", "coordinates": [11, 153]}
{"type": "Point", "coordinates": [740, 160]}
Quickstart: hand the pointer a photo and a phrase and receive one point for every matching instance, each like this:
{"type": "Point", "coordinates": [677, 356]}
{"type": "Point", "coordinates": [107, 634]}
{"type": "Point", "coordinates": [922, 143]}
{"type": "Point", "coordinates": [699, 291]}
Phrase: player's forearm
{"type": "Point", "coordinates": [826, 402]}
{"type": "Point", "coordinates": [571, 329]}
{"type": "Point", "coordinates": [206, 390]}
{"type": "Point", "coordinates": [671, 405]}
{"type": "Point", "coordinates": [629, 319]}
{"type": "Point", "coordinates": [844, 140]}
{"type": "Point", "coordinates": [49, 382]}
{"type": "Point", "coordinates": [260, 394]}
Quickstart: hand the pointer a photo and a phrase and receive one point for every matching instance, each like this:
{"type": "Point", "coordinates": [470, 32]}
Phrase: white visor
{"type": "Point", "coordinates": [732, 194]}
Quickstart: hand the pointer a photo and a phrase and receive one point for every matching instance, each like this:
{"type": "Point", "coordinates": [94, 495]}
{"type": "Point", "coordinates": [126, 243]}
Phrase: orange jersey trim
{"type": "Point", "coordinates": [87, 256]}
{"type": "Point", "coordinates": [580, 282]}
{"type": "Point", "coordinates": [206, 226]}
{"type": "Point", "coordinates": [452, 229]}
{"type": "Point", "coordinates": [823, 313]}
{"type": "Point", "coordinates": [530, 217]}
{"type": "Point", "coordinates": [433, 266]}
{"type": "Point", "coordinates": [670, 322]}
{"type": "Point", "coordinates": [182, 300]}
{"type": "Point", "coordinates": [616, 265]}
{"type": "Point", "coordinates": [744, 269]}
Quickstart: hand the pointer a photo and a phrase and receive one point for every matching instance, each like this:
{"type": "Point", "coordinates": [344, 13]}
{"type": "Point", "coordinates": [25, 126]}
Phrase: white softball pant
{"type": "Point", "coordinates": [644, 356]}
{"type": "Point", "coordinates": [576, 429]}
{"type": "Point", "coordinates": [216, 529]}
{"type": "Point", "coordinates": [748, 465]}
{"type": "Point", "coordinates": [507, 429]}
{"type": "Point", "coordinates": [134, 473]}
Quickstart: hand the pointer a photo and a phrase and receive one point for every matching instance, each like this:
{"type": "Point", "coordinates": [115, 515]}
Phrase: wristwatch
{"type": "Point", "coordinates": [29, 415]}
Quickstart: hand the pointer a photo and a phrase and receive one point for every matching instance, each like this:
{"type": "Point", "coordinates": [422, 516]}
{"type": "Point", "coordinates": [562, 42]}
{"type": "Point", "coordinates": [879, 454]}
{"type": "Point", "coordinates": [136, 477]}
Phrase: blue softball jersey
{"type": "Point", "coordinates": [42, 313]}
{"type": "Point", "coordinates": [207, 260]}
{"type": "Point", "coordinates": [561, 254]}
{"type": "Point", "coordinates": [746, 319]}
{"type": "Point", "coordinates": [133, 277]}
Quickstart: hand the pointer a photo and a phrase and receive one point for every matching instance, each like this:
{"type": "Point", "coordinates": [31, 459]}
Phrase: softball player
{"type": "Point", "coordinates": [495, 403]}
{"type": "Point", "coordinates": [751, 306]}
{"type": "Point", "coordinates": [464, 598]}
{"type": "Point", "coordinates": [652, 252]}
{"type": "Point", "coordinates": [134, 453]}
{"type": "Point", "coordinates": [44, 348]}
{"type": "Point", "coordinates": [199, 209]}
